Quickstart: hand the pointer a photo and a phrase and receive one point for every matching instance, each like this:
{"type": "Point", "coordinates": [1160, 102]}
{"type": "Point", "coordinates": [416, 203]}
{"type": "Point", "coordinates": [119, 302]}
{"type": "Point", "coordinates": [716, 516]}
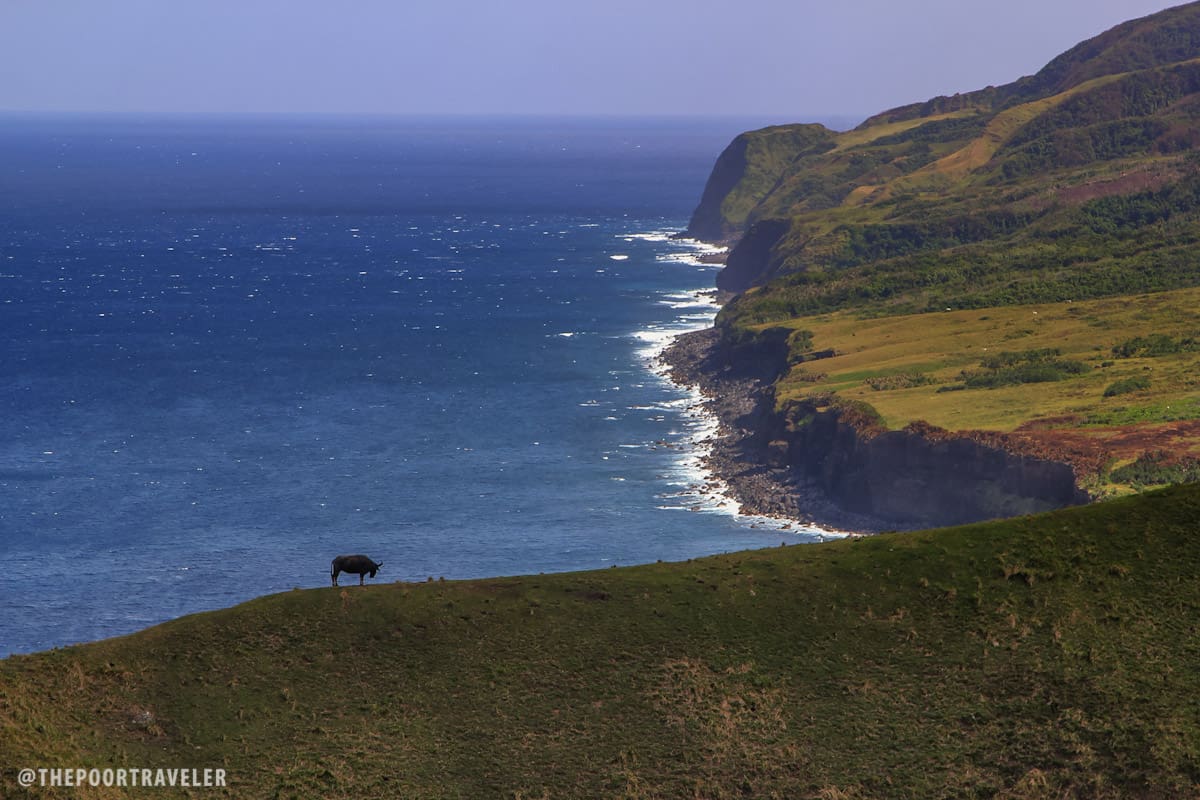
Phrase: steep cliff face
{"type": "Point", "coordinates": [908, 480]}
{"type": "Point", "coordinates": [708, 223]}
{"type": "Point", "coordinates": [749, 262]}
{"type": "Point", "coordinates": [832, 462]}
{"type": "Point", "coordinates": [746, 172]}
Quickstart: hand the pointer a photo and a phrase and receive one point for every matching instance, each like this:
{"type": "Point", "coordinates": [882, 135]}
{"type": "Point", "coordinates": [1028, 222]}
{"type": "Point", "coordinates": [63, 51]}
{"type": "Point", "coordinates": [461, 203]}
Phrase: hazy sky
{"type": "Point", "coordinates": [782, 58]}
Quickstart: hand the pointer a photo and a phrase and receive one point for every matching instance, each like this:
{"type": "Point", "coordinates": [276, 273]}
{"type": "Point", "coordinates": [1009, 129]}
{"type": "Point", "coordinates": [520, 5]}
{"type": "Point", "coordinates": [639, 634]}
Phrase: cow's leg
{"type": "Point", "coordinates": [335, 574]}
{"type": "Point", "coordinates": [361, 575]}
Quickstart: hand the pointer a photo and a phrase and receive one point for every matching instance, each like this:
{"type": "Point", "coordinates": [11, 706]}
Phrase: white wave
{"type": "Point", "coordinates": [691, 259]}
{"type": "Point", "coordinates": [696, 487]}
{"type": "Point", "coordinates": [649, 236]}
{"type": "Point", "coordinates": [655, 342]}
{"type": "Point", "coordinates": [619, 257]}
{"type": "Point", "coordinates": [693, 253]}
{"type": "Point", "coordinates": [681, 304]}
{"type": "Point", "coordinates": [703, 247]}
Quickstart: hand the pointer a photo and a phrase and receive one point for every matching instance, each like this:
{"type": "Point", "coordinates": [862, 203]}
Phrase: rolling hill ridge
{"type": "Point", "coordinates": [1044, 657]}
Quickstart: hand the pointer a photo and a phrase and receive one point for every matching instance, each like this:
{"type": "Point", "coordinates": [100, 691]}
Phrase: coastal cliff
{"type": "Point", "coordinates": [830, 463]}
{"type": "Point", "coordinates": [998, 228]}
{"type": "Point", "coordinates": [746, 172]}
{"type": "Point", "coordinates": [955, 202]}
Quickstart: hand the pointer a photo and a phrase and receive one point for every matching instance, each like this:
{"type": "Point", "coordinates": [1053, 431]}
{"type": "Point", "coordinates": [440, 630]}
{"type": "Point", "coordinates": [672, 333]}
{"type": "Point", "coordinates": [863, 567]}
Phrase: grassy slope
{"type": "Point", "coordinates": [1131, 72]}
{"type": "Point", "coordinates": [1040, 657]}
{"type": "Point", "coordinates": [927, 180]}
{"type": "Point", "coordinates": [996, 208]}
{"type": "Point", "coordinates": [939, 347]}
{"type": "Point", "coordinates": [768, 153]}
{"type": "Point", "coordinates": [979, 151]}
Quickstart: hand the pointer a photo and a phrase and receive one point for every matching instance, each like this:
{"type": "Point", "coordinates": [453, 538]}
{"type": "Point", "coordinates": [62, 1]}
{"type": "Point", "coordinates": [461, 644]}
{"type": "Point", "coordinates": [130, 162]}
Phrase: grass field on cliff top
{"type": "Point", "coordinates": [910, 368]}
{"type": "Point", "coordinates": [1052, 656]}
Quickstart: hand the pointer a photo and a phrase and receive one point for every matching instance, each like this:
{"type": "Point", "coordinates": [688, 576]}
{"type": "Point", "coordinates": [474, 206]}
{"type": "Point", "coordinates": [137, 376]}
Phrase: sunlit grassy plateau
{"type": "Point", "coordinates": [1123, 400]}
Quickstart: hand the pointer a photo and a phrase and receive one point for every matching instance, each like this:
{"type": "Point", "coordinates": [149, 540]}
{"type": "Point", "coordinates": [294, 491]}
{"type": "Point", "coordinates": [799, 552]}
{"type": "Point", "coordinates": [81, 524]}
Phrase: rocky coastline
{"type": "Point", "coordinates": [742, 402]}
{"type": "Point", "coordinates": [829, 469]}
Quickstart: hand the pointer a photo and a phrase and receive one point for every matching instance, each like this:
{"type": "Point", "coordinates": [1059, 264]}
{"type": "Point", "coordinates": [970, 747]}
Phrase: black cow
{"type": "Point", "coordinates": [354, 565]}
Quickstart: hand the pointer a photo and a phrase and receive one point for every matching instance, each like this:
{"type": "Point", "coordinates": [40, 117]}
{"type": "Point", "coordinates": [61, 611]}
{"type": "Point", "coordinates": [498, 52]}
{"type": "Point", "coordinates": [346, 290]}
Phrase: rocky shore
{"type": "Point", "coordinates": [834, 469]}
{"type": "Point", "coordinates": [740, 453]}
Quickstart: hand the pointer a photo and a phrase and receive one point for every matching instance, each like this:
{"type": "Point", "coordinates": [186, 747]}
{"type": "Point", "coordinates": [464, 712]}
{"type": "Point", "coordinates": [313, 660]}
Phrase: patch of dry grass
{"type": "Point", "coordinates": [940, 346]}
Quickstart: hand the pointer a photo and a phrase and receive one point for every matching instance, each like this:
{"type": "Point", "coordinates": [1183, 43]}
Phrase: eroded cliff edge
{"type": "Point", "coordinates": [830, 463]}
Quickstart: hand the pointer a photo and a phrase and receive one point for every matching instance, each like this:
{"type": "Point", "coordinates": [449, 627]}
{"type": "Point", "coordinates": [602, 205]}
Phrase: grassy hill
{"type": "Point", "coordinates": [1060, 212]}
{"type": "Point", "coordinates": [1052, 656]}
{"type": "Point", "coordinates": [981, 191]}
{"type": "Point", "coordinates": [966, 179]}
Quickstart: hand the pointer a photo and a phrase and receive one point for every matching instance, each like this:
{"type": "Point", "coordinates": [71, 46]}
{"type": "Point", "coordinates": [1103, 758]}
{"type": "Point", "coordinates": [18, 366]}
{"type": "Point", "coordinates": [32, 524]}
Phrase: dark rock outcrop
{"type": "Point", "coordinates": [830, 464]}
{"type": "Point", "coordinates": [907, 480]}
{"type": "Point", "coordinates": [708, 223]}
{"type": "Point", "coordinates": [748, 263]}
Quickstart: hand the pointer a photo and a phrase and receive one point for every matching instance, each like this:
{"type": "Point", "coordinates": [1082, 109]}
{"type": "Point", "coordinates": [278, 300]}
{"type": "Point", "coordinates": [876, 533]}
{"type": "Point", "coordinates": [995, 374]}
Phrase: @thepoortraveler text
{"type": "Point", "coordinates": [188, 777]}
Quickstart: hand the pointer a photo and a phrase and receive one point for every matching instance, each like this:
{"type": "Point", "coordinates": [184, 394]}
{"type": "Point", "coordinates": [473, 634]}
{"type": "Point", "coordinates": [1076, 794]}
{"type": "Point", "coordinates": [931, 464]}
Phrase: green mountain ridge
{"type": "Point", "coordinates": [1163, 38]}
{"type": "Point", "coordinates": [980, 181]}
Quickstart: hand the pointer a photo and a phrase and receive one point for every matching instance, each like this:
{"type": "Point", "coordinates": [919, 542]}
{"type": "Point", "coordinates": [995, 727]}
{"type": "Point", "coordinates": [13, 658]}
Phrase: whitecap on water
{"type": "Point", "coordinates": [651, 236]}
{"type": "Point", "coordinates": [695, 487]}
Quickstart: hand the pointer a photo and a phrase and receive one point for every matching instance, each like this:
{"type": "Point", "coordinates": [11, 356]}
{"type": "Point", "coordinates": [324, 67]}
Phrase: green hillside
{"type": "Point", "coordinates": [1046, 189]}
{"type": "Point", "coordinates": [1091, 174]}
{"type": "Point", "coordinates": [1054, 656]}
{"type": "Point", "coordinates": [1073, 193]}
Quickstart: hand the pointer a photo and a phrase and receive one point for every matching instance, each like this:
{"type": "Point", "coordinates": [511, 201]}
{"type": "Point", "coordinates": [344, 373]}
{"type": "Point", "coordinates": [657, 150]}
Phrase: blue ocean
{"type": "Point", "coordinates": [233, 348]}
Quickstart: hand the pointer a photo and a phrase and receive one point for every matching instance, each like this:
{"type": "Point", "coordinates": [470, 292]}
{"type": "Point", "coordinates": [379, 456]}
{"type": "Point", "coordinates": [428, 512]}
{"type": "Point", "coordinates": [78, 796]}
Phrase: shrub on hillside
{"type": "Point", "coordinates": [903, 380]}
{"type": "Point", "coordinates": [1028, 366]}
{"type": "Point", "coordinates": [1157, 468]}
{"type": "Point", "coordinates": [1156, 344]}
{"type": "Point", "coordinates": [1127, 385]}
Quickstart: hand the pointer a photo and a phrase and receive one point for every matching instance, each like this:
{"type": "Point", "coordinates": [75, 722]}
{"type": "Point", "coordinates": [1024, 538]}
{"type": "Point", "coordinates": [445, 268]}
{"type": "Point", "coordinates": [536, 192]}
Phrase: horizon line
{"type": "Point", "coordinates": [792, 117]}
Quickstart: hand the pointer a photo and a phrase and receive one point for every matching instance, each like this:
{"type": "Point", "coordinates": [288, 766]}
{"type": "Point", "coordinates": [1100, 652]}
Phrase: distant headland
{"type": "Point", "coordinates": [979, 306]}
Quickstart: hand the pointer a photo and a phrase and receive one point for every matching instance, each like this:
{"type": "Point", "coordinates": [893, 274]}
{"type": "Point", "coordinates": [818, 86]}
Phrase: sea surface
{"type": "Point", "coordinates": [233, 348]}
